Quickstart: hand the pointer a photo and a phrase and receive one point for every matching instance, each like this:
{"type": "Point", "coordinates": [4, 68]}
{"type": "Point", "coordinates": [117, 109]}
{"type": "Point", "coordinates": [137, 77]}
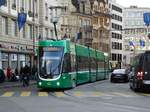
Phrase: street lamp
{"type": "Point", "coordinates": [56, 10]}
{"type": "Point", "coordinates": [54, 21]}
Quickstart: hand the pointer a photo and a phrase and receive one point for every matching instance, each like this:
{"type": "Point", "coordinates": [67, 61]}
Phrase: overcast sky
{"type": "Point", "coordinates": [139, 3]}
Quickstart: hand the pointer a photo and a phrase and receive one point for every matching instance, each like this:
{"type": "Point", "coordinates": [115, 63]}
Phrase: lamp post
{"type": "Point", "coordinates": [56, 10]}
{"type": "Point", "coordinates": [54, 21]}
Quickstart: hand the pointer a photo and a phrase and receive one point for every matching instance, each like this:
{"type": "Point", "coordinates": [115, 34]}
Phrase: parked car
{"type": "Point", "coordinates": [2, 76]}
{"type": "Point", "coordinates": [140, 73]}
{"type": "Point", "coordinates": [119, 75]}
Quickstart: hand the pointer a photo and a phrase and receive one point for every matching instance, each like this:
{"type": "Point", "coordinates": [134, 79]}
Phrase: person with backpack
{"type": "Point", "coordinates": [25, 76]}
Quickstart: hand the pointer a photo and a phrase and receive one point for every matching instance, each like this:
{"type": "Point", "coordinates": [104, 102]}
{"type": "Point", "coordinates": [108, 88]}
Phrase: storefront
{"type": "Point", "coordinates": [15, 56]}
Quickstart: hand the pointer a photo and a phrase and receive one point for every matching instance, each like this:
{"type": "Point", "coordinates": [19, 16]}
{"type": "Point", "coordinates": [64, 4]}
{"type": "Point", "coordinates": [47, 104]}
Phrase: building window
{"type": "Point", "coordinates": [30, 5]}
{"type": "Point", "coordinates": [14, 28]}
{"type": "Point", "coordinates": [36, 32]}
{"type": "Point", "coordinates": [81, 22]}
{"type": "Point", "coordinates": [6, 3]}
{"type": "Point", "coordinates": [30, 31]}
{"type": "Point", "coordinates": [52, 34]}
{"type": "Point", "coordinates": [14, 4]}
{"type": "Point", "coordinates": [5, 25]}
{"type": "Point", "coordinates": [46, 33]}
{"type": "Point", "coordinates": [113, 57]}
{"type": "Point", "coordinates": [22, 6]}
{"type": "Point", "coordinates": [24, 32]}
{"type": "Point", "coordinates": [22, 60]}
{"type": "Point", "coordinates": [116, 26]}
{"type": "Point", "coordinates": [46, 11]}
{"type": "Point", "coordinates": [116, 8]}
{"type": "Point", "coordinates": [5, 61]}
{"type": "Point", "coordinates": [36, 7]}
{"type": "Point", "coordinates": [14, 63]}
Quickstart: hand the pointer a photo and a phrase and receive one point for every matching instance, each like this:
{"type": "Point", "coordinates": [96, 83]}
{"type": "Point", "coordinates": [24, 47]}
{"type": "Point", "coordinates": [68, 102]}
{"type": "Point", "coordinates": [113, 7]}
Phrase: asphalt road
{"type": "Point", "coordinates": [101, 96]}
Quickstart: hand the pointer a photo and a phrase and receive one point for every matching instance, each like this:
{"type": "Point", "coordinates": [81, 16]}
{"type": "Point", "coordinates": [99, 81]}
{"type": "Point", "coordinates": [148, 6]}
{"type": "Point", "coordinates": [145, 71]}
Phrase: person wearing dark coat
{"type": "Point", "coordinates": [2, 76]}
{"type": "Point", "coordinates": [25, 76]}
{"type": "Point", "coordinates": [21, 73]}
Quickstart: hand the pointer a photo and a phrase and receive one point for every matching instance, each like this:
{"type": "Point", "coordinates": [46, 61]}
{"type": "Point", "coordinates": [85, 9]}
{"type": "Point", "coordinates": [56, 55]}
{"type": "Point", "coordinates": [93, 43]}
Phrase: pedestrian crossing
{"type": "Point", "coordinates": [78, 94]}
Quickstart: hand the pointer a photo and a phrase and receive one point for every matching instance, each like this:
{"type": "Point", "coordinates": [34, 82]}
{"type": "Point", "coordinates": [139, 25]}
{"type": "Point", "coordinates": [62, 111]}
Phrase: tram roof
{"type": "Point", "coordinates": [81, 49]}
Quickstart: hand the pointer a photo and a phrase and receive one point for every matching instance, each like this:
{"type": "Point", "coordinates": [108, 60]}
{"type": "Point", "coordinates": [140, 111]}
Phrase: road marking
{"type": "Point", "coordinates": [8, 94]}
{"type": "Point", "coordinates": [25, 93]}
{"type": "Point", "coordinates": [42, 94]}
{"type": "Point", "coordinates": [59, 94]}
{"type": "Point", "coordinates": [122, 94]}
{"type": "Point", "coordinates": [145, 94]}
{"type": "Point", "coordinates": [78, 93]}
{"type": "Point", "coordinates": [97, 94]}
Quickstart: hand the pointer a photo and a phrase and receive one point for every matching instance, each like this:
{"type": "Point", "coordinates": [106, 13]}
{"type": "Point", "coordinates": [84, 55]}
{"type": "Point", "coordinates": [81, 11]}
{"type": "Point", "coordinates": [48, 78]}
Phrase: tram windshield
{"type": "Point", "coordinates": [50, 62]}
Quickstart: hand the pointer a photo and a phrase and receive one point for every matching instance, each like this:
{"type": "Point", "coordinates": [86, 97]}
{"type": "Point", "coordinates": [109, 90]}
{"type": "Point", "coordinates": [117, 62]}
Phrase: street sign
{"type": "Point", "coordinates": [146, 17]}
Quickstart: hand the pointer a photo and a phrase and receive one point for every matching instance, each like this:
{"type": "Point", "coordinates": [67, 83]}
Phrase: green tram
{"type": "Point", "coordinates": [63, 64]}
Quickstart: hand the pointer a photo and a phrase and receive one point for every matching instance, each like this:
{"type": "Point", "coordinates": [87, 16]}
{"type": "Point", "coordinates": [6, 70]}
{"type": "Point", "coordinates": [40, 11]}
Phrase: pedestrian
{"type": "Point", "coordinates": [21, 73]}
{"type": "Point", "coordinates": [8, 73]}
{"type": "Point", "coordinates": [2, 76]}
{"type": "Point", "coordinates": [25, 76]}
{"type": "Point", "coordinates": [16, 72]}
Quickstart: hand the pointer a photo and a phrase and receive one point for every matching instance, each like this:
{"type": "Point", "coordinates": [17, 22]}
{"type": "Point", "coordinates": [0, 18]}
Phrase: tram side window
{"type": "Point", "coordinates": [66, 64]}
{"type": "Point", "coordinates": [106, 65]}
{"type": "Point", "coordinates": [100, 65]}
{"type": "Point", "coordinates": [73, 63]}
{"type": "Point", "coordinates": [93, 64]}
{"type": "Point", "coordinates": [83, 63]}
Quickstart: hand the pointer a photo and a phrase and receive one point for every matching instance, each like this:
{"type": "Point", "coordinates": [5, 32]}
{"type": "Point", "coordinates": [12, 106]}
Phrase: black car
{"type": "Point", "coordinates": [140, 72]}
{"type": "Point", "coordinates": [119, 75]}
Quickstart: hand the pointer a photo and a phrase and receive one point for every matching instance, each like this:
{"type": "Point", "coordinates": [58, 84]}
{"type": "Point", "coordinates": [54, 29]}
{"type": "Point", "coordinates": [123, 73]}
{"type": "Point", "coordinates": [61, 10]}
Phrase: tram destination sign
{"type": "Point", "coordinates": [52, 48]}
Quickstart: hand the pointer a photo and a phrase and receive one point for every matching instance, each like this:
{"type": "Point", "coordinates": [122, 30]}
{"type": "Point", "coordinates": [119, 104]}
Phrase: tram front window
{"type": "Point", "coordinates": [50, 62]}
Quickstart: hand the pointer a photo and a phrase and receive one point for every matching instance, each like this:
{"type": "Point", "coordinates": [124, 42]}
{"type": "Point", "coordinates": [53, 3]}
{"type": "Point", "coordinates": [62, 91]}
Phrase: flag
{"type": "Point", "coordinates": [131, 43]}
{"type": "Point", "coordinates": [79, 35]}
{"type": "Point", "coordinates": [21, 19]}
{"type": "Point", "coordinates": [146, 17]}
{"type": "Point", "coordinates": [142, 43]}
{"type": "Point", "coordinates": [2, 2]}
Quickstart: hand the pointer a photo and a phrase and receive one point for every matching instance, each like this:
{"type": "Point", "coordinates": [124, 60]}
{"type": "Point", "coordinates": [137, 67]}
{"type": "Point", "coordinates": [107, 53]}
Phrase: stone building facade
{"type": "Point", "coordinates": [92, 18]}
{"type": "Point", "coordinates": [17, 47]}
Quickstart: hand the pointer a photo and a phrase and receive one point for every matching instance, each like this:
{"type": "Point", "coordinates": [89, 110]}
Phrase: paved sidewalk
{"type": "Point", "coordinates": [14, 84]}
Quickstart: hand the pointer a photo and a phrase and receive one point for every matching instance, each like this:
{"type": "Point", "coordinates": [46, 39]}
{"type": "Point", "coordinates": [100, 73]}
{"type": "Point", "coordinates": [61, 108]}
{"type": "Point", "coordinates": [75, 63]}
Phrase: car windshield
{"type": "Point", "coordinates": [50, 62]}
{"type": "Point", "coordinates": [119, 71]}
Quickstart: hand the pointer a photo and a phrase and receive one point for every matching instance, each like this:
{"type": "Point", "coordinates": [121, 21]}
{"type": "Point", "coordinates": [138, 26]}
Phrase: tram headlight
{"type": "Point", "coordinates": [40, 83]}
{"type": "Point", "coordinates": [58, 83]}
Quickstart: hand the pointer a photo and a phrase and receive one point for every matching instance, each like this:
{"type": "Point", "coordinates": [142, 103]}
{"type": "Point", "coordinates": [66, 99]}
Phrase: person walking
{"type": "Point", "coordinates": [8, 73]}
{"type": "Point", "coordinates": [2, 76]}
{"type": "Point", "coordinates": [25, 76]}
{"type": "Point", "coordinates": [21, 74]}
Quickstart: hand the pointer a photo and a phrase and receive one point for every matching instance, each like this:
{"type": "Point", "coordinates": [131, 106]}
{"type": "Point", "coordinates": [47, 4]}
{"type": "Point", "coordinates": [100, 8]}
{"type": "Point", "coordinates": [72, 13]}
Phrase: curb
{"type": "Point", "coordinates": [15, 85]}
